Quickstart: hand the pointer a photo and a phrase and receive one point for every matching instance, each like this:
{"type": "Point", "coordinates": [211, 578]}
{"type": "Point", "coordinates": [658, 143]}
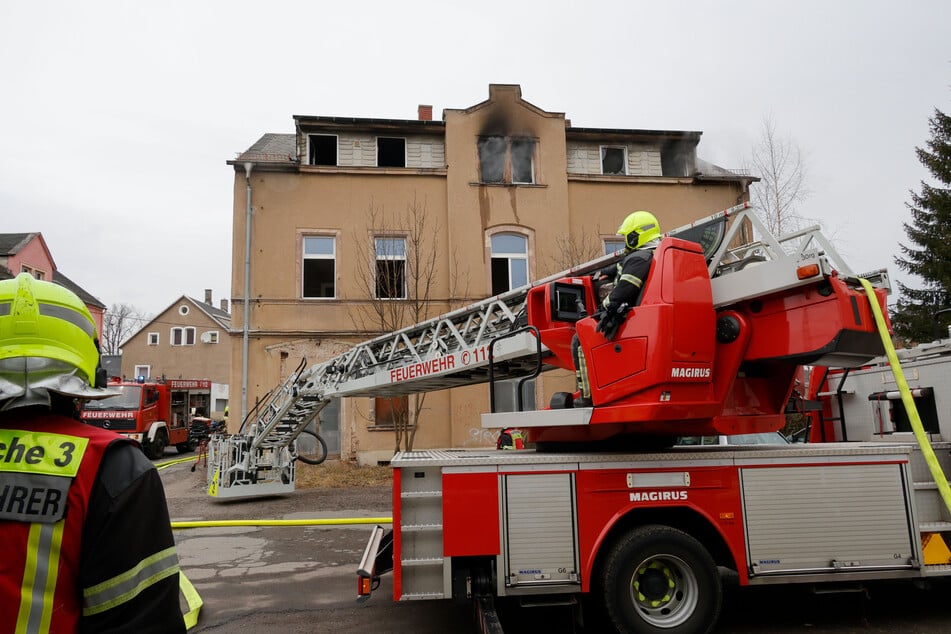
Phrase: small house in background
{"type": "Point", "coordinates": [28, 253]}
{"type": "Point", "coordinates": [187, 340]}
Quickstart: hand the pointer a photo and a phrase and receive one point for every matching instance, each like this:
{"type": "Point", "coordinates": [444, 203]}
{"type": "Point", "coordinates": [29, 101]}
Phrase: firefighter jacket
{"type": "Point", "coordinates": [630, 275]}
{"type": "Point", "coordinates": [85, 539]}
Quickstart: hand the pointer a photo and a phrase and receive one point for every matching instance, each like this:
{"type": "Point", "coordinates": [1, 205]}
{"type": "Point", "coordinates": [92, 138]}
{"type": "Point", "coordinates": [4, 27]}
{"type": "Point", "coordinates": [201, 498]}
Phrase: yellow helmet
{"type": "Point", "coordinates": [47, 341]}
{"type": "Point", "coordinates": [638, 229]}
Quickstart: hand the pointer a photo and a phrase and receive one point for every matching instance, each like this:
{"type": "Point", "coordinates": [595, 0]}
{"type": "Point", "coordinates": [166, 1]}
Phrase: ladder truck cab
{"type": "Point", "coordinates": [156, 414]}
{"type": "Point", "coordinates": [602, 506]}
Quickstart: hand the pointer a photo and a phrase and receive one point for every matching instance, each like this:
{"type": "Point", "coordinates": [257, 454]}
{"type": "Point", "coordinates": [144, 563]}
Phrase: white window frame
{"type": "Point", "coordinates": [388, 257]}
{"type": "Point", "coordinates": [210, 336]}
{"type": "Point", "coordinates": [147, 373]}
{"type": "Point", "coordinates": [510, 256]}
{"type": "Point", "coordinates": [318, 256]}
{"type": "Point", "coordinates": [153, 338]}
{"type": "Point", "coordinates": [185, 332]}
{"type": "Point", "coordinates": [623, 149]}
{"type": "Point", "coordinates": [619, 241]}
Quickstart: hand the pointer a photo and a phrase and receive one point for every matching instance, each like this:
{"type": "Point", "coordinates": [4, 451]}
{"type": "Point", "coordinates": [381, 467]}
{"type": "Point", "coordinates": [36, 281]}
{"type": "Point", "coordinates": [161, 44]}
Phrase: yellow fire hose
{"type": "Point", "coordinates": [908, 400]}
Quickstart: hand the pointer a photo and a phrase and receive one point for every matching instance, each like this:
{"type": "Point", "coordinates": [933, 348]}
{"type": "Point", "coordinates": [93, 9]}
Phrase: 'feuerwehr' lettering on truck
{"type": "Point", "coordinates": [423, 368]}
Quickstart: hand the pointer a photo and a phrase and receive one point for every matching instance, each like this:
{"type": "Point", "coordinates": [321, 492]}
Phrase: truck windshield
{"type": "Point", "coordinates": [128, 398]}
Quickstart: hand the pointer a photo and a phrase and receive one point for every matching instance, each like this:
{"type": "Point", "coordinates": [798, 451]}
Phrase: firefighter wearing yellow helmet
{"type": "Point", "coordinates": [641, 233]}
{"type": "Point", "coordinates": [85, 538]}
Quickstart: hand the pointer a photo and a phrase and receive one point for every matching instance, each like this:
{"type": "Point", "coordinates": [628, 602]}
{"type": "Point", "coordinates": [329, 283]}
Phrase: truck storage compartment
{"type": "Point", "coordinates": [819, 518]}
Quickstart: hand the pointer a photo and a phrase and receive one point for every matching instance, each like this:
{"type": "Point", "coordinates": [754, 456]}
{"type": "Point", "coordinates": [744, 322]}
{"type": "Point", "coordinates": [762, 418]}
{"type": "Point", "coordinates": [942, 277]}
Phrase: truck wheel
{"type": "Point", "coordinates": [187, 446]}
{"type": "Point", "coordinates": [660, 579]}
{"type": "Point", "coordinates": [156, 448]}
{"type": "Point", "coordinates": [311, 448]}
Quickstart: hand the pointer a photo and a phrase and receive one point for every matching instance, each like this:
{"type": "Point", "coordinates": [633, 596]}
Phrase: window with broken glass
{"type": "Point", "coordinates": [390, 268]}
{"type": "Point", "coordinates": [507, 160]}
{"type": "Point", "coordinates": [390, 152]}
{"type": "Point", "coordinates": [322, 149]}
{"type": "Point", "coordinates": [613, 159]}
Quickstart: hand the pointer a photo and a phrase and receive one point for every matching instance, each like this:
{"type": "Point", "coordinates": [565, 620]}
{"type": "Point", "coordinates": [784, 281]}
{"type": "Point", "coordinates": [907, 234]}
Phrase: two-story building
{"type": "Point", "coordinates": [352, 227]}
{"type": "Point", "coordinates": [186, 340]}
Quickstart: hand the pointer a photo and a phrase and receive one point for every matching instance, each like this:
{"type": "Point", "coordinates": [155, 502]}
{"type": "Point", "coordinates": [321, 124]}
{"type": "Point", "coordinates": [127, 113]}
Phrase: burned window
{"type": "Point", "coordinates": [613, 160]}
{"type": "Point", "coordinates": [390, 268]}
{"type": "Point", "coordinates": [390, 152]}
{"type": "Point", "coordinates": [677, 158]}
{"type": "Point", "coordinates": [492, 150]}
{"type": "Point", "coordinates": [322, 149]}
{"type": "Point", "coordinates": [523, 151]}
{"type": "Point", "coordinates": [318, 267]}
{"type": "Point", "coordinates": [509, 262]}
{"type": "Point", "coordinates": [507, 160]}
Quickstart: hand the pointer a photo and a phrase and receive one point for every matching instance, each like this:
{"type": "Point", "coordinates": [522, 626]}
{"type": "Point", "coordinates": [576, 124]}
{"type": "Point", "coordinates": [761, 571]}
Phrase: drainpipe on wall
{"type": "Point", "coordinates": [247, 297]}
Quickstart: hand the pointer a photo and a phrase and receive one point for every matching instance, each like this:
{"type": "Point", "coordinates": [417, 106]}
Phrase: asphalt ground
{"type": "Point", "coordinates": [302, 579]}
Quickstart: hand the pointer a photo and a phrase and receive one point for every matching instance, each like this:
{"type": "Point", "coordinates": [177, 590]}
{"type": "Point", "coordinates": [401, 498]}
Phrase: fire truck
{"type": "Point", "coordinates": [602, 509]}
{"type": "Point", "coordinates": [156, 414]}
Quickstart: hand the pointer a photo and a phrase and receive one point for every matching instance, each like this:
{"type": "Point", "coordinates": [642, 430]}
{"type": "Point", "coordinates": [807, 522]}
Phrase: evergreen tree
{"type": "Point", "coordinates": [929, 255]}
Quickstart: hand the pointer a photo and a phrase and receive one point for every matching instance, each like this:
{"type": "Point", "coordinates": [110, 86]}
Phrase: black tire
{"type": "Point", "coordinates": [659, 579]}
{"type": "Point", "coordinates": [187, 446]}
{"type": "Point", "coordinates": [156, 448]}
{"type": "Point", "coordinates": [311, 455]}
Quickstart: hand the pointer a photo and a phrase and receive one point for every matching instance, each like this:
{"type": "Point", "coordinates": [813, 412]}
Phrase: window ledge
{"type": "Point", "coordinates": [389, 428]}
{"type": "Point", "coordinates": [481, 184]}
{"type": "Point", "coordinates": [367, 170]}
{"type": "Point", "coordinates": [637, 178]}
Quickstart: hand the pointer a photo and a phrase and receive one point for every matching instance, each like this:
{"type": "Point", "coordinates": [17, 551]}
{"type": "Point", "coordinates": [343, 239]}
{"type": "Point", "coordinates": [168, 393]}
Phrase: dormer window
{"type": "Point", "coordinates": [390, 152]}
{"type": "Point", "coordinates": [322, 149]}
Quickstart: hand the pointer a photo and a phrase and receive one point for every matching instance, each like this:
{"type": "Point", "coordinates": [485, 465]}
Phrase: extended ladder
{"type": "Point", "coordinates": [454, 349]}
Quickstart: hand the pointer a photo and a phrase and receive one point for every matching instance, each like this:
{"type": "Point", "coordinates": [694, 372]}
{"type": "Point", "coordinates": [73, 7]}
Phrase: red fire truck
{"type": "Point", "coordinates": [157, 414]}
{"type": "Point", "coordinates": [603, 509]}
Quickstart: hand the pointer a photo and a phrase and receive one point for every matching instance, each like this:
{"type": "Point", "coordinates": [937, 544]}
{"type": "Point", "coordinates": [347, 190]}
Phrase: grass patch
{"type": "Point", "coordinates": [339, 475]}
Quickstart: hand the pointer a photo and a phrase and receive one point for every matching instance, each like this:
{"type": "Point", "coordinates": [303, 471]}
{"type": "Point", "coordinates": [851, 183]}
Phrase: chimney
{"type": "Point", "coordinates": [425, 113]}
{"type": "Point", "coordinates": [224, 305]}
{"type": "Point", "coordinates": [208, 296]}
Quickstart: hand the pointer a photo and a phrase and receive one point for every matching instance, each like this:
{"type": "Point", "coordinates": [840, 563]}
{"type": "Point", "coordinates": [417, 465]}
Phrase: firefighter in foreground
{"type": "Point", "coordinates": [641, 233]}
{"type": "Point", "coordinates": [85, 539]}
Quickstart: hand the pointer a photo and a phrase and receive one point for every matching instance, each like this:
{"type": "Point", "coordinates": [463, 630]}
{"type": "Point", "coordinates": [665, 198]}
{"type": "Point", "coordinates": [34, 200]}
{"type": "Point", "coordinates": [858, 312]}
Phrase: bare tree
{"type": "Point", "coordinates": [397, 269]}
{"type": "Point", "coordinates": [119, 322]}
{"type": "Point", "coordinates": [571, 251]}
{"type": "Point", "coordinates": [778, 162]}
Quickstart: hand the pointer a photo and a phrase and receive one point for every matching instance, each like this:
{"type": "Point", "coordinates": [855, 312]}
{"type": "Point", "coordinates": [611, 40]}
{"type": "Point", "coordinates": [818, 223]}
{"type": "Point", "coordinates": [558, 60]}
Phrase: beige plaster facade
{"type": "Point", "coordinates": [187, 340]}
{"type": "Point", "coordinates": [503, 167]}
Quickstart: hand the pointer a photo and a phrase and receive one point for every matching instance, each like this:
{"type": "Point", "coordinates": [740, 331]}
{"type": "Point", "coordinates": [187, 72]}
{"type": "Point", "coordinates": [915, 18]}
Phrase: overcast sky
{"type": "Point", "coordinates": [116, 118]}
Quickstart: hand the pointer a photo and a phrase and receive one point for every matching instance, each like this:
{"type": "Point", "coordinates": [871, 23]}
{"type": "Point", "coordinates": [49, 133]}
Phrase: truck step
{"type": "Point", "coordinates": [934, 527]}
{"type": "Point", "coordinates": [541, 601]}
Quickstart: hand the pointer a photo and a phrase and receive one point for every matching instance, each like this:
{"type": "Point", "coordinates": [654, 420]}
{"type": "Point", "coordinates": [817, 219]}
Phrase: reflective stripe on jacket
{"type": "Point", "coordinates": [48, 467]}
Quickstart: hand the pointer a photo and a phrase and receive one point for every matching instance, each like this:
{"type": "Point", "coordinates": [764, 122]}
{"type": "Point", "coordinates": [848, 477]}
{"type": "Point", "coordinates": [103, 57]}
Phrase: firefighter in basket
{"type": "Point", "coordinates": [85, 539]}
{"type": "Point", "coordinates": [641, 233]}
